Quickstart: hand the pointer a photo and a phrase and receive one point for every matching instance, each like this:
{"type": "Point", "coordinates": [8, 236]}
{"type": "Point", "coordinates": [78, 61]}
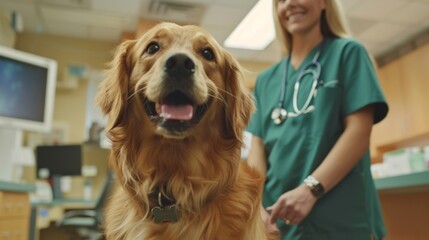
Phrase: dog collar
{"type": "Point", "coordinates": [166, 210]}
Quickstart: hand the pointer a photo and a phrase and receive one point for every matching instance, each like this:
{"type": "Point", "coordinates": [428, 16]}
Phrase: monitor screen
{"type": "Point", "coordinates": [58, 160]}
{"type": "Point", "coordinates": [27, 90]}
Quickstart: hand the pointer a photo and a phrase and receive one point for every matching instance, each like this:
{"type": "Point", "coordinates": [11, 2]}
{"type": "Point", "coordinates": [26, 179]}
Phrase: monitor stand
{"type": "Point", "coordinates": [10, 140]}
{"type": "Point", "coordinates": [56, 187]}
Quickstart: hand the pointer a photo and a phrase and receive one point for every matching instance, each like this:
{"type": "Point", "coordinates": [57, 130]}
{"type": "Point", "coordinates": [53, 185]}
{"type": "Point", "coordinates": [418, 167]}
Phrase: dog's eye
{"type": "Point", "coordinates": [208, 54]}
{"type": "Point", "coordinates": [152, 48]}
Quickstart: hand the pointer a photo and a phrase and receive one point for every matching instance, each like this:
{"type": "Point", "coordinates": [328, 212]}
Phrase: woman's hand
{"type": "Point", "coordinates": [293, 206]}
{"type": "Point", "coordinates": [271, 227]}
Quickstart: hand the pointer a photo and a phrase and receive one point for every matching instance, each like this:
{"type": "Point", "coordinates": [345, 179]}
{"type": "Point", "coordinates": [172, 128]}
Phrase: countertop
{"type": "Point", "coordinates": [16, 187]}
{"type": "Point", "coordinates": [418, 181]}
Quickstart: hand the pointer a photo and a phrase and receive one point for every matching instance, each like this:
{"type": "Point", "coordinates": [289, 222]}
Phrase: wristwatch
{"type": "Point", "coordinates": [315, 186]}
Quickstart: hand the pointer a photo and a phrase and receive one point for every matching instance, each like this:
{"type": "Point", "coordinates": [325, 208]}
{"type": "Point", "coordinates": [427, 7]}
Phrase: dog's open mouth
{"type": "Point", "coordinates": [176, 113]}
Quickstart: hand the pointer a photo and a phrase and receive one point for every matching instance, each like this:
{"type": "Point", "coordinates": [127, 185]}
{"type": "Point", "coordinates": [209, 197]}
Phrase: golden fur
{"type": "Point", "coordinates": [217, 194]}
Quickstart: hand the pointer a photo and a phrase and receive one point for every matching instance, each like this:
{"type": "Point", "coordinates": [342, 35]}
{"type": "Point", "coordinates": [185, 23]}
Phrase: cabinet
{"type": "Point", "coordinates": [14, 215]}
{"type": "Point", "coordinates": [393, 126]}
{"type": "Point", "coordinates": [415, 87]}
{"type": "Point", "coordinates": [404, 202]}
{"type": "Point", "coordinates": [404, 199]}
{"type": "Point", "coordinates": [405, 83]}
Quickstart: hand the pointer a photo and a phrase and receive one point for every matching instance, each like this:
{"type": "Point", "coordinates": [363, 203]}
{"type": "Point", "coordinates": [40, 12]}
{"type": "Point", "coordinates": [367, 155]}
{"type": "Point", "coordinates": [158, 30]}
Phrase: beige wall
{"type": "Point", "coordinates": [252, 69]}
{"type": "Point", "coordinates": [7, 34]}
{"type": "Point", "coordinates": [70, 104]}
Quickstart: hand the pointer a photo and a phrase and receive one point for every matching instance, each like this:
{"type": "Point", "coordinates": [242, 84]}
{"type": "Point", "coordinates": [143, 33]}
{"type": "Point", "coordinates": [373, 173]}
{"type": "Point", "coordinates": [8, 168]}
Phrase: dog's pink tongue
{"type": "Point", "coordinates": [173, 112]}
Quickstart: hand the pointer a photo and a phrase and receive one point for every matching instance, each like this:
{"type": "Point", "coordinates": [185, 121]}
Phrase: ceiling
{"type": "Point", "coordinates": [380, 24]}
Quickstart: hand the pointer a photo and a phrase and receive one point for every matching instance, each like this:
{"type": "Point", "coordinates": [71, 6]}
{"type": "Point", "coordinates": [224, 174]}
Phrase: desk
{"type": "Point", "coordinates": [43, 213]}
{"type": "Point", "coordinates": [404, 202]}
{"type": "Point", "coordinates": [14, 210]}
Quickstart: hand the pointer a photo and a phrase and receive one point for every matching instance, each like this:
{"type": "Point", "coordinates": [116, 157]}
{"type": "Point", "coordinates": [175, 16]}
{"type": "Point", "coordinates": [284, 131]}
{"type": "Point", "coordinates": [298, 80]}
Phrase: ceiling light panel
{"type": "Point", "coordinates": [256, 31]}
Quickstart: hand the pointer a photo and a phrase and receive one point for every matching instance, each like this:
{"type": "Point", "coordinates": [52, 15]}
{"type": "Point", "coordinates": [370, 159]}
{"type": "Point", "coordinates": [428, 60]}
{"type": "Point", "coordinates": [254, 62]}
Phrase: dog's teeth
{"type": "Point", "coordinates": [180, 112]}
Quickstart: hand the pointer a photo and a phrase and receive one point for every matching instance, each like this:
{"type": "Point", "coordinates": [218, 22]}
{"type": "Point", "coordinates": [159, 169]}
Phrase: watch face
{"type": "Point", "coordinates": [315, 187]}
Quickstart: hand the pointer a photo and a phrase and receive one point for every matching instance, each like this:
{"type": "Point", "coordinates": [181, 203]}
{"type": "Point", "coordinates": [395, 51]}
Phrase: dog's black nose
{"type": "Point", "coordinates": [179, 65]}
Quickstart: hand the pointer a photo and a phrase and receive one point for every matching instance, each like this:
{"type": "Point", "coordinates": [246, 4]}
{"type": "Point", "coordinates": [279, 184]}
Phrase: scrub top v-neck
{"type": "Point", "coordinates": [297, 147]}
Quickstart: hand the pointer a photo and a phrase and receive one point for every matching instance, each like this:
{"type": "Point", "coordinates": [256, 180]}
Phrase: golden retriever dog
{"type": "Point", "coordinates": [177, 108]}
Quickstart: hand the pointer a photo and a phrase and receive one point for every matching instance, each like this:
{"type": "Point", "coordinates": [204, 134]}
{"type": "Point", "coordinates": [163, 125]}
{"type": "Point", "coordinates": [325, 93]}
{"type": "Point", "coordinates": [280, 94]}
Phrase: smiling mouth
{"type": "Point", "coordinates": [176, 113]}
{"type": "Point", "coordinates": [294, 16]}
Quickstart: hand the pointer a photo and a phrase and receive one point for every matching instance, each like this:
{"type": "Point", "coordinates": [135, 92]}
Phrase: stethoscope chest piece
{"type": "Point", "coordinates": [278, 115]}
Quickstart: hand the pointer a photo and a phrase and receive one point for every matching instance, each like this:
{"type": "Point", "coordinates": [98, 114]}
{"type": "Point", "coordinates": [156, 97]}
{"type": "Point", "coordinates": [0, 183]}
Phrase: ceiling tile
{"type": "Point", "coordinates": [187, 1]}
{"type": "Point", "coordinates": [381, 32]}
{"type": "Point", "coordinates": [182, 12]}
{"type": "Point", "coordinates": [87, 18]}
{"type": "Point", "coordinates": [80, 4]}
{"type": "Point", "coordinates": [220, 33]}
{"type": "Point", "coordinates": [372, 47]}
{"type": "Point", "coordinates": [230, 16]}
{"type": "Point", "coordinates": [348, 5]}
{"type": "Point", "coordinates": [236, 3]}
{"type": "Point", "coordinates": [358, 25]}
{"type": "Point", "coordinates": [128, 7]}
{"type": "Point", "coordinates": [376, 9]}
{"type": "Point", "coordinates": [412, 13]}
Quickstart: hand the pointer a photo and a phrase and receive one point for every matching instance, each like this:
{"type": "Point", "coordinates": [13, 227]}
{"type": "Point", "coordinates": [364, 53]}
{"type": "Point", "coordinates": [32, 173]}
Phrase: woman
{"type": "Point", "coordinates": [311, 138]}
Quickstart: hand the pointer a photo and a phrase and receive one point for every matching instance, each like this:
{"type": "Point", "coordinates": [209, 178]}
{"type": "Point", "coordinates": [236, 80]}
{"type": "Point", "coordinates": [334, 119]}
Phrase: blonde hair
{"type": "Point", "coordinates": [332, 23]}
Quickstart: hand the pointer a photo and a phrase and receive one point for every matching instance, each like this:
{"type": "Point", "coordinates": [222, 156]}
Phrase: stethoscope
{"type": "Point", "coordinates": [279, 114]}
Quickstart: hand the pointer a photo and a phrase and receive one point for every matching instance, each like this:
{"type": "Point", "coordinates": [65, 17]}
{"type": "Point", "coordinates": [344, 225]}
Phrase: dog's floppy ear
{"type": "Point", "coordinates": [113, 93]}
{"type": "Point", "coordinates": [239, 101]}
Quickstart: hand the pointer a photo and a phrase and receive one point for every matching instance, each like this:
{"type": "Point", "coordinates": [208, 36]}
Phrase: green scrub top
{"type": "Point", "coordinates": [348, 82]}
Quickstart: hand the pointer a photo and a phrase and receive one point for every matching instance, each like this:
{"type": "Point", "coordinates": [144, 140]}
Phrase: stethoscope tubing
{"type": "Point", "coordinates": [314, 68]}
{"type": "Point", "coordinates": [316, 74]}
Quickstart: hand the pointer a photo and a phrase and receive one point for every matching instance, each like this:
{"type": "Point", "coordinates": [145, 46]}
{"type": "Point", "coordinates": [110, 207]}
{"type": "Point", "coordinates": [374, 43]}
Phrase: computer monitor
{"type": "Point", "coordinates": [56, 161]}
{"type": "Point", "coordinates": [27, 90]}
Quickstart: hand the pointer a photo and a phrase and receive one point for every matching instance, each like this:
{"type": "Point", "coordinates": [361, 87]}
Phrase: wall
{"type": "Point", "coordinates": [70, 104]}
{"type": "Point", "coordinates": [7, 34]}
{"type": "Point", "coordinates": [252, 69]}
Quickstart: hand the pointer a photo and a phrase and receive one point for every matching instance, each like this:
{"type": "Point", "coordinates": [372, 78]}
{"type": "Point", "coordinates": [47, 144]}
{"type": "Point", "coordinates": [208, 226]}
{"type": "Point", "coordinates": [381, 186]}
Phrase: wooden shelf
{"type": "Point", "coordinates": [419, 140]}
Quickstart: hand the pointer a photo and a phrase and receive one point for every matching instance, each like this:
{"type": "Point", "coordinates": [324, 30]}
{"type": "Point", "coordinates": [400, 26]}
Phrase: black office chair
{"type": "Point", "coordinates": [87, 224]}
